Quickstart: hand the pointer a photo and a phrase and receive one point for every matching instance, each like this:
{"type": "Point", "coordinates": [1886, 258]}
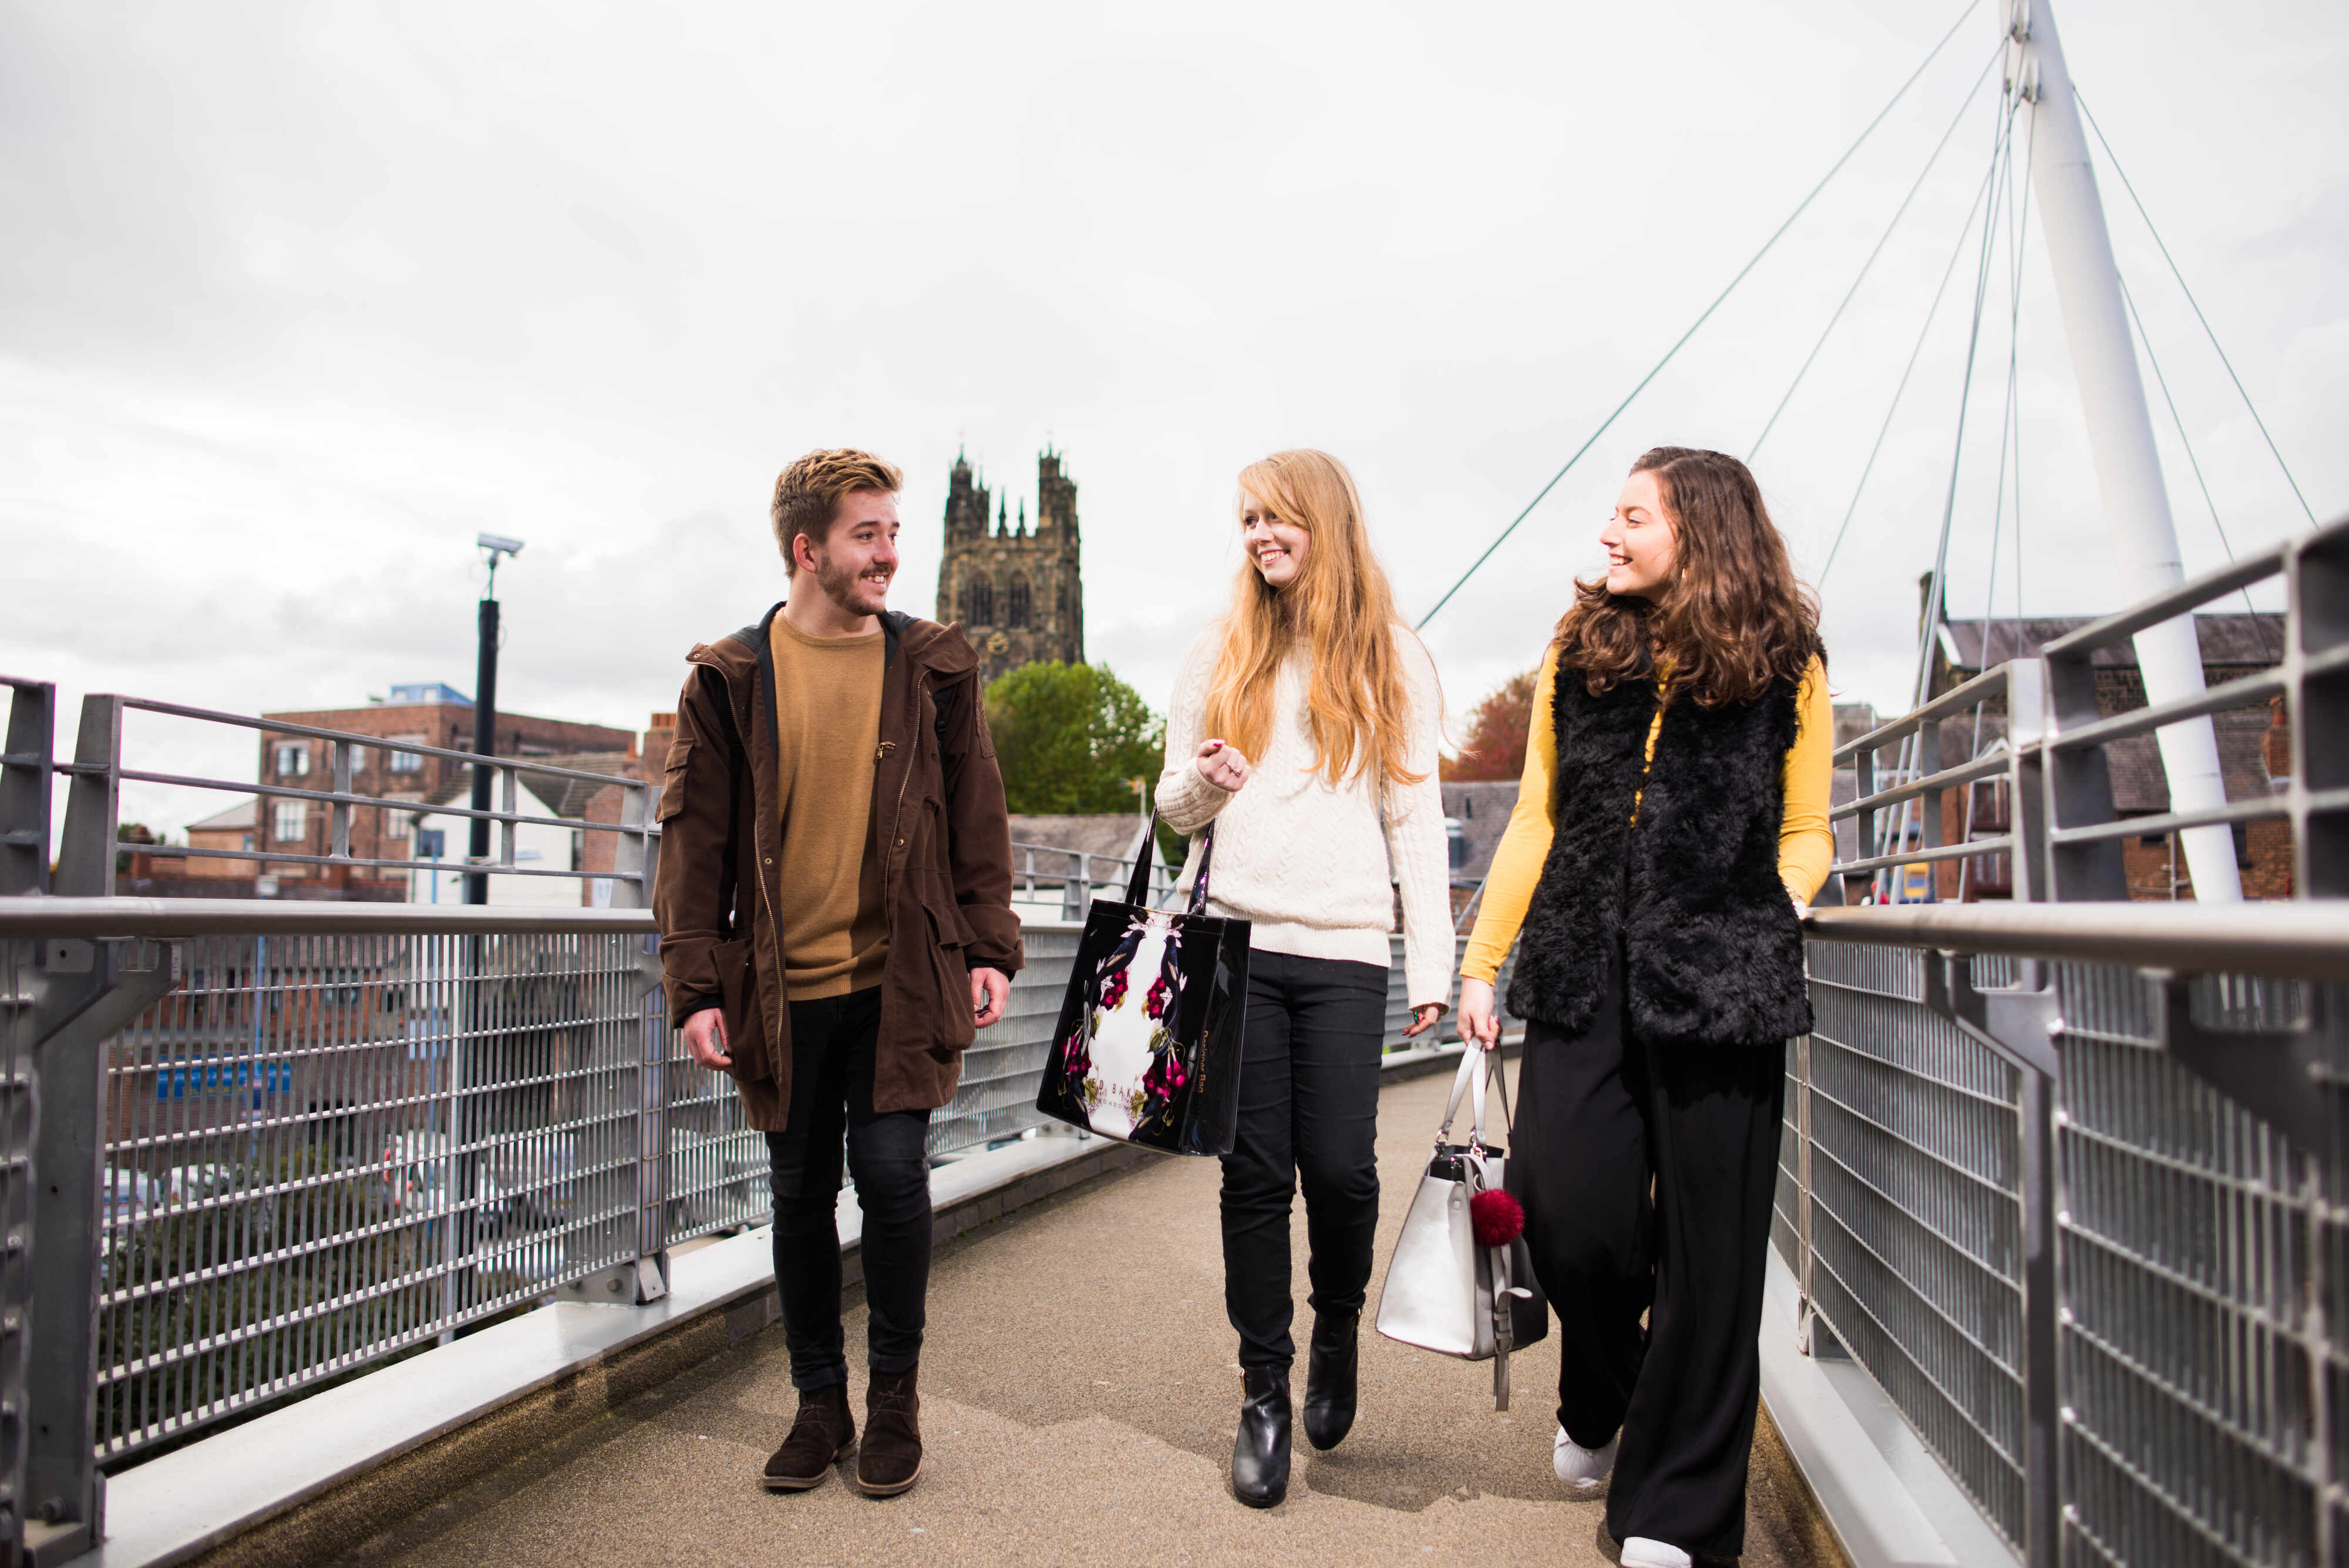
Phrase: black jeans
{"type": "Point", "coordinates": [1600, 1117]}
{"type": "Point", "coordinates": [832, 1093]}
{"type": "Point", "coordinates": [1308, 1111]}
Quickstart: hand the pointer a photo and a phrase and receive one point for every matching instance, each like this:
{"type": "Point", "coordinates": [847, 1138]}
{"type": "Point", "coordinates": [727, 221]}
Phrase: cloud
{"type": "Point", "coordinates": [301, 300]}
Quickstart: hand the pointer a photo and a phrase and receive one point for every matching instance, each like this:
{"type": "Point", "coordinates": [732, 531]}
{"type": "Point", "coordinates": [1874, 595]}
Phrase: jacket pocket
{"type": "Point", "coordinates": [738, 990]}
{"type": "Point", "coordinates": [672, 795]}
{"type": "Point", "coordinates": [945, 915]}
{"type": "Point", "coordinates": [958, 1027]}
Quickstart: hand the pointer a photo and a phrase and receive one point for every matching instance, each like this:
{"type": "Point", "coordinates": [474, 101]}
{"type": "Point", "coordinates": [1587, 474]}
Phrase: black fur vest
{"type": "Point", "coordinates": [1713, 953]}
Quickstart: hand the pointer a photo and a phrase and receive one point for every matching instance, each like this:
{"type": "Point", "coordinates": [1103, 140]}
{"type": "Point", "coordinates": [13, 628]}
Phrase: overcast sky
{"type": "Point", "coordinates": [299, 297]}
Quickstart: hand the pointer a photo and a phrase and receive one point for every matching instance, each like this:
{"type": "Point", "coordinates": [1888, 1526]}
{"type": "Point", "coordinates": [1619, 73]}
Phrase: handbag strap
{"type": "Point", "coordinates": [1470, 1082]}
{"type": "Point", "coordinates": [1137, 886]}
{"type": "Point", "coordinates": [1501, 1087]}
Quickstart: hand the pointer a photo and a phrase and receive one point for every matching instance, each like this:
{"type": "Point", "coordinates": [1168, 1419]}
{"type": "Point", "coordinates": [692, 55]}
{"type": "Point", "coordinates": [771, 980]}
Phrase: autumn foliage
{"type": "Point", "coordinates": [1495, 743]}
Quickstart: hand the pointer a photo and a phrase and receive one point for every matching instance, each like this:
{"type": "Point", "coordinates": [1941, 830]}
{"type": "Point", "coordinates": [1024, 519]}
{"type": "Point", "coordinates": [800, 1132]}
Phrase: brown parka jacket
{"type": "Point", "coordinates": [946, 886]}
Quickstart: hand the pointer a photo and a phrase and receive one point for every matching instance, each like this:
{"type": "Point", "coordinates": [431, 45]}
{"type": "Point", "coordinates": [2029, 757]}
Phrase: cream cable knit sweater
{"type": "Point", "coordinates": [1307, 862]}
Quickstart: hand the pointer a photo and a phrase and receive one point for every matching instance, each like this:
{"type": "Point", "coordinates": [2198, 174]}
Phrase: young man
{"type": "Point", "coordinates": [834, 905]}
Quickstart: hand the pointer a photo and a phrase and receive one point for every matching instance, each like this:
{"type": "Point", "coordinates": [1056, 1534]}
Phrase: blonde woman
{"type": "Point", "coordinates": [1304, 726]}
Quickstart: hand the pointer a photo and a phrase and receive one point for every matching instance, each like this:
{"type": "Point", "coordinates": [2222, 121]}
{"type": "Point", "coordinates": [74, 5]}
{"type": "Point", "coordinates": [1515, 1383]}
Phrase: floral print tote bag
{"type": "Point", "coordinates": [1148, 1048]}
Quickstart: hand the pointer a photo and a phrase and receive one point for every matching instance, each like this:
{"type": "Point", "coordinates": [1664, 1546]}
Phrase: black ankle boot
{"type": "Point", "coordinates": [1260, 1452]}
{"type": "Point", "coordinates": [1331, 1363]}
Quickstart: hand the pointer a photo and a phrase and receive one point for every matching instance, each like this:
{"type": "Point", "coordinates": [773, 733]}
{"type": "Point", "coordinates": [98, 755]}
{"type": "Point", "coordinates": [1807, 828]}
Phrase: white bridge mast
{"type": "Point", "coordinates": [2120, 428]}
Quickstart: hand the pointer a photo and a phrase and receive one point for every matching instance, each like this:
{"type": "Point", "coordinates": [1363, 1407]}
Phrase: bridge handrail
{"type": "Point", "coordinates": [2064, 831]}
{"type": "Point", "coordinates": [2297, 939]}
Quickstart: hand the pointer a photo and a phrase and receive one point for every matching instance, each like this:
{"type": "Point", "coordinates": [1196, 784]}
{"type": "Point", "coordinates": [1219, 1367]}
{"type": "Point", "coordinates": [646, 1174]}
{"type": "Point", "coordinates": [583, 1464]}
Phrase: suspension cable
{"type": "Point", "coordinates": [2001, 160]}
{"type": "Point", "coordinates": [2010, 431]}
{"type": "Point", "coordinates": [2002, 163]}
{"type": "Point", "coordinates": [2144, 339]}
{"type": "Point", "coordinates": [2208, 331]}
{"type": "Point", "coordinates": [1768, 244]}
{"type": "Point", "coordinates": [2010, 441]}
{"type": "Point", "coordinates": [1948, 272]}
{"type": "Point", "coordinates": [1849, 294]}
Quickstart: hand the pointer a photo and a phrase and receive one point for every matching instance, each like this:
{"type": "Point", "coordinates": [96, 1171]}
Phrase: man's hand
{"type": "Point", "coordinates": [1480, 1020]}
{"type": "Point", "coordinates": [1422, 1019]}
{"type": "Point", "coordinates": [990, 993]}
{"type": "Point", "coordinates": [705, 1038]}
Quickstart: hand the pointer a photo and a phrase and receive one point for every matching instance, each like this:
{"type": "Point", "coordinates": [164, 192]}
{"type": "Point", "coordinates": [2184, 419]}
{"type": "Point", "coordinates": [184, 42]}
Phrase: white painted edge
{"type": "Point", "coordinates": [176, 1506]}
{"type": "Point", "coordinates": [1888, 1499]}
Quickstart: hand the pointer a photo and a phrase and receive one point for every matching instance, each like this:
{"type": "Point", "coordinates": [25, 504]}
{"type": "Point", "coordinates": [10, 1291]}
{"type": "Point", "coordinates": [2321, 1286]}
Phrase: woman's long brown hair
{"type": "Point", "coordinates": [1340, 603]}
{"type": "Point", "coordinates": [1733, 620]}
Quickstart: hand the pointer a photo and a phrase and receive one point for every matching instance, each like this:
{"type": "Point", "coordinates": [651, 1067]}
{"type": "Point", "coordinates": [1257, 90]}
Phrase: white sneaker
{"type": "Point", "coordinates": [1642, 1553]}
{"type": "Point", "coordinates": [1584, 1470]}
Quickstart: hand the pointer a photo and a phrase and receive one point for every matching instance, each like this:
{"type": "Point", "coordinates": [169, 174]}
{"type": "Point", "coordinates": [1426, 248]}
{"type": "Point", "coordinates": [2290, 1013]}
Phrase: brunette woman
{"type": "Point", "coordinates": [1304, 727]}
{"type": "Point", "coordinates": [1672, 824]}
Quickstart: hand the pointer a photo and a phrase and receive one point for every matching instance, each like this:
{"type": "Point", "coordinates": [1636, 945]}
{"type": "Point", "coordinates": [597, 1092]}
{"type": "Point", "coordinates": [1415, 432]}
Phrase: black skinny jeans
{"type": "Point", "coordinates": [1309, 1113]}
{"type": "Point", "coordinates": [1599, 1117]}
{"type": "Point", "coordinates": [833, 1042]}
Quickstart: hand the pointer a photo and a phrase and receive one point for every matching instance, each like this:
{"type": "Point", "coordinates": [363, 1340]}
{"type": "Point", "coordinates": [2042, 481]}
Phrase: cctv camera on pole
{"type": "Point", "coordinates": [485, 715]}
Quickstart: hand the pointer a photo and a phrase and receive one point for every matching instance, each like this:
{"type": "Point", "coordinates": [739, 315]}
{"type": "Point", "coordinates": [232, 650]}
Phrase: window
{"type": "Point", "coordinates": [288, 820]}
{"type": "Point", "coordinates": [359, 759]}
{"type": "Point", "coordinates": [2242, 834]}
{"type": "Point", "coordinates": [1015, 613]}
{"type": "Point", "coordinates": [248, 841]}
{"type": "Point", "coordinates": [293, 759]}
{"type": "Point", "coordinates": [396, 825]}
{"type": "Point", "coordinates": [983, 602]}
{"type": "Point", "coordinates": [400, 762]}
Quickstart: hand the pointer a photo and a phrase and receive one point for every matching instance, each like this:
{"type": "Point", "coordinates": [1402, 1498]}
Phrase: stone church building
{"type": "Point", "coordinates": [1015, 589]}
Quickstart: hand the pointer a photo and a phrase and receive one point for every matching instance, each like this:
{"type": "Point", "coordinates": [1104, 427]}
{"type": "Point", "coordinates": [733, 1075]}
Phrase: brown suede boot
{"type": "Point", "coordinates": [821, 1437]}
{"type": "Point", "coordinates": [891, 1457]}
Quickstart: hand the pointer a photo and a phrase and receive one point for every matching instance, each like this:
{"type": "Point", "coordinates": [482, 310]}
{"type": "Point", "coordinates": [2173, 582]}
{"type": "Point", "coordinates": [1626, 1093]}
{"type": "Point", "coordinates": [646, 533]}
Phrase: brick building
{"type": "Point", "coordinates": [429, 714]}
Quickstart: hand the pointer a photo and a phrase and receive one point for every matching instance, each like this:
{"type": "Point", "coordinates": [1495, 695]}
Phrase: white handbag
{"type": "Point", "coordinates": [1444, 1292]}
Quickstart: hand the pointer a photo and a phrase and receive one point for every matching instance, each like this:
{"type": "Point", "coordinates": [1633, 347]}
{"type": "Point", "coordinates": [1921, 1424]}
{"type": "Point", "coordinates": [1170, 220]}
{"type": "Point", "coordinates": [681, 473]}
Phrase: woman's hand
{"type": "Point", "coordinates": [1222, 766]}
{"type": "Point", "coordinates": [1422, 1019]}
{"type": "Point", "coordinates": [1480, 1020]}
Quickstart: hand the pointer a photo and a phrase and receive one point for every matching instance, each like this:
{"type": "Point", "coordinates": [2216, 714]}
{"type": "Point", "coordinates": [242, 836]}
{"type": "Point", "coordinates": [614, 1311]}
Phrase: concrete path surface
{"type": "Point", "coordinates": [1079, 1398]}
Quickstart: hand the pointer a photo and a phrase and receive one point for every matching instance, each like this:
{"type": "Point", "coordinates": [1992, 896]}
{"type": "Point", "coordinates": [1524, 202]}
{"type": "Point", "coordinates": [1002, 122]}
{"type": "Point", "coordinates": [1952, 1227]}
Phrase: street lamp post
{"type": "Point", "coordinates": [485, 716]}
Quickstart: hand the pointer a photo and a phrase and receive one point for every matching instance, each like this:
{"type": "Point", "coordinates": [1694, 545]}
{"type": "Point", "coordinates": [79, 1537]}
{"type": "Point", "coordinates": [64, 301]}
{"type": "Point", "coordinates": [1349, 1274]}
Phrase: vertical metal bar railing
{"type": "Point", "coordinates": [27, 764]}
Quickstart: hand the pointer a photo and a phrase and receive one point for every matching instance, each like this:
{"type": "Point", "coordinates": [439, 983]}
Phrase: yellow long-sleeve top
{"type": "Point", "coordinates": [1806, 844]}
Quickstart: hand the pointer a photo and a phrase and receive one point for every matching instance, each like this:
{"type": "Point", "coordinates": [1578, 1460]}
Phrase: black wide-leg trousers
{"type": "Point", "coordinates": [1647, 1175]}
{"type": "Point", "coordinates": [1308, 1115]}
{"type": "Point", "coordinates": [832, 1042]}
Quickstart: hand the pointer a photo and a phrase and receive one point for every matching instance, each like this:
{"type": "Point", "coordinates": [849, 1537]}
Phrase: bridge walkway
{"type": "Point", "coordinates": [1078, 1404]}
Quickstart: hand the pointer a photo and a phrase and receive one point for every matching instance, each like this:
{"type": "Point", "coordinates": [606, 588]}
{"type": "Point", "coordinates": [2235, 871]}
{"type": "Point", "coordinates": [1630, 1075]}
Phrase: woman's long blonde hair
{"type": "Point", "coordinates": [1341, 604]}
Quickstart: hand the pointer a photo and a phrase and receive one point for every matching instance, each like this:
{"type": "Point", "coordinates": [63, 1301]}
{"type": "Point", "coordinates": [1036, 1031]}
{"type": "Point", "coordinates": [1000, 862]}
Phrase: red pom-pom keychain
{"type": "Point", "coordinates": [1495, 1219]}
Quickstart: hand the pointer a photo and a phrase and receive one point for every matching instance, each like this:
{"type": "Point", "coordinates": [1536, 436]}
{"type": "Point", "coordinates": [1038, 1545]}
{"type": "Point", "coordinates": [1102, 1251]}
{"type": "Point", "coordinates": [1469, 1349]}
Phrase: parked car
{"type": "Point", "coordinates": [416, 1167]}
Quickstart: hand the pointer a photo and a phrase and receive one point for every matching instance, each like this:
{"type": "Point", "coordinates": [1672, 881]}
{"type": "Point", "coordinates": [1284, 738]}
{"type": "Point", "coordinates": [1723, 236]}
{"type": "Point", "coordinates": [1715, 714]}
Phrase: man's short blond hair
{"type": "Point", "coordinates": [808, 493]}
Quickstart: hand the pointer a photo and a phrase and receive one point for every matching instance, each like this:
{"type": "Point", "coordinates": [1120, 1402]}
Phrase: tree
{"type": "Point", "coordinates": [1498, 727]}
{"type": "Point", "coordinates": [1072, 739]}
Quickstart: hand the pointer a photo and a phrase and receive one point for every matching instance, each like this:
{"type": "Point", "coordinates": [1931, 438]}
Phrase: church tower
{"type": "Point", "coordinates": [1016, 588]}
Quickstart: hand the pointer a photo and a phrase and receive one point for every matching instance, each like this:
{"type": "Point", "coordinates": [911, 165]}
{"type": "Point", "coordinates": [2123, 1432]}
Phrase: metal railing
{"type": "Point", "coordinates": [2069, 1178]}
{"type": "Point", "coordinates": [2082, 1221]}
{"type": "Point", "coordinates": [88, 852]}
{"type": "Point", "coordinates": [1074, 874]}
{"type": "Point", "coordinates": [279, 1142]}
{"type": "Point", "coordinates": [2047, 754]}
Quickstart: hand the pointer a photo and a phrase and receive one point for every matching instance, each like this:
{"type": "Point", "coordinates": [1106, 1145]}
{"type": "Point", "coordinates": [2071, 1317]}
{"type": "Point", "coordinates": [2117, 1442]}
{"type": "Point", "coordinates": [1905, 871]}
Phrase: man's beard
{"type": "Point", "coordinates": [840, 585]}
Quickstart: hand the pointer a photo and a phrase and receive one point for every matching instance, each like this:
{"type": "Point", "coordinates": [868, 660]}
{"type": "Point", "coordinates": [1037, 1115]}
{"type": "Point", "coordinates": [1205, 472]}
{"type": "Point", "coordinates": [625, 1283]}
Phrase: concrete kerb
{"type": "Point", "coordinates": [316, 1479]}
